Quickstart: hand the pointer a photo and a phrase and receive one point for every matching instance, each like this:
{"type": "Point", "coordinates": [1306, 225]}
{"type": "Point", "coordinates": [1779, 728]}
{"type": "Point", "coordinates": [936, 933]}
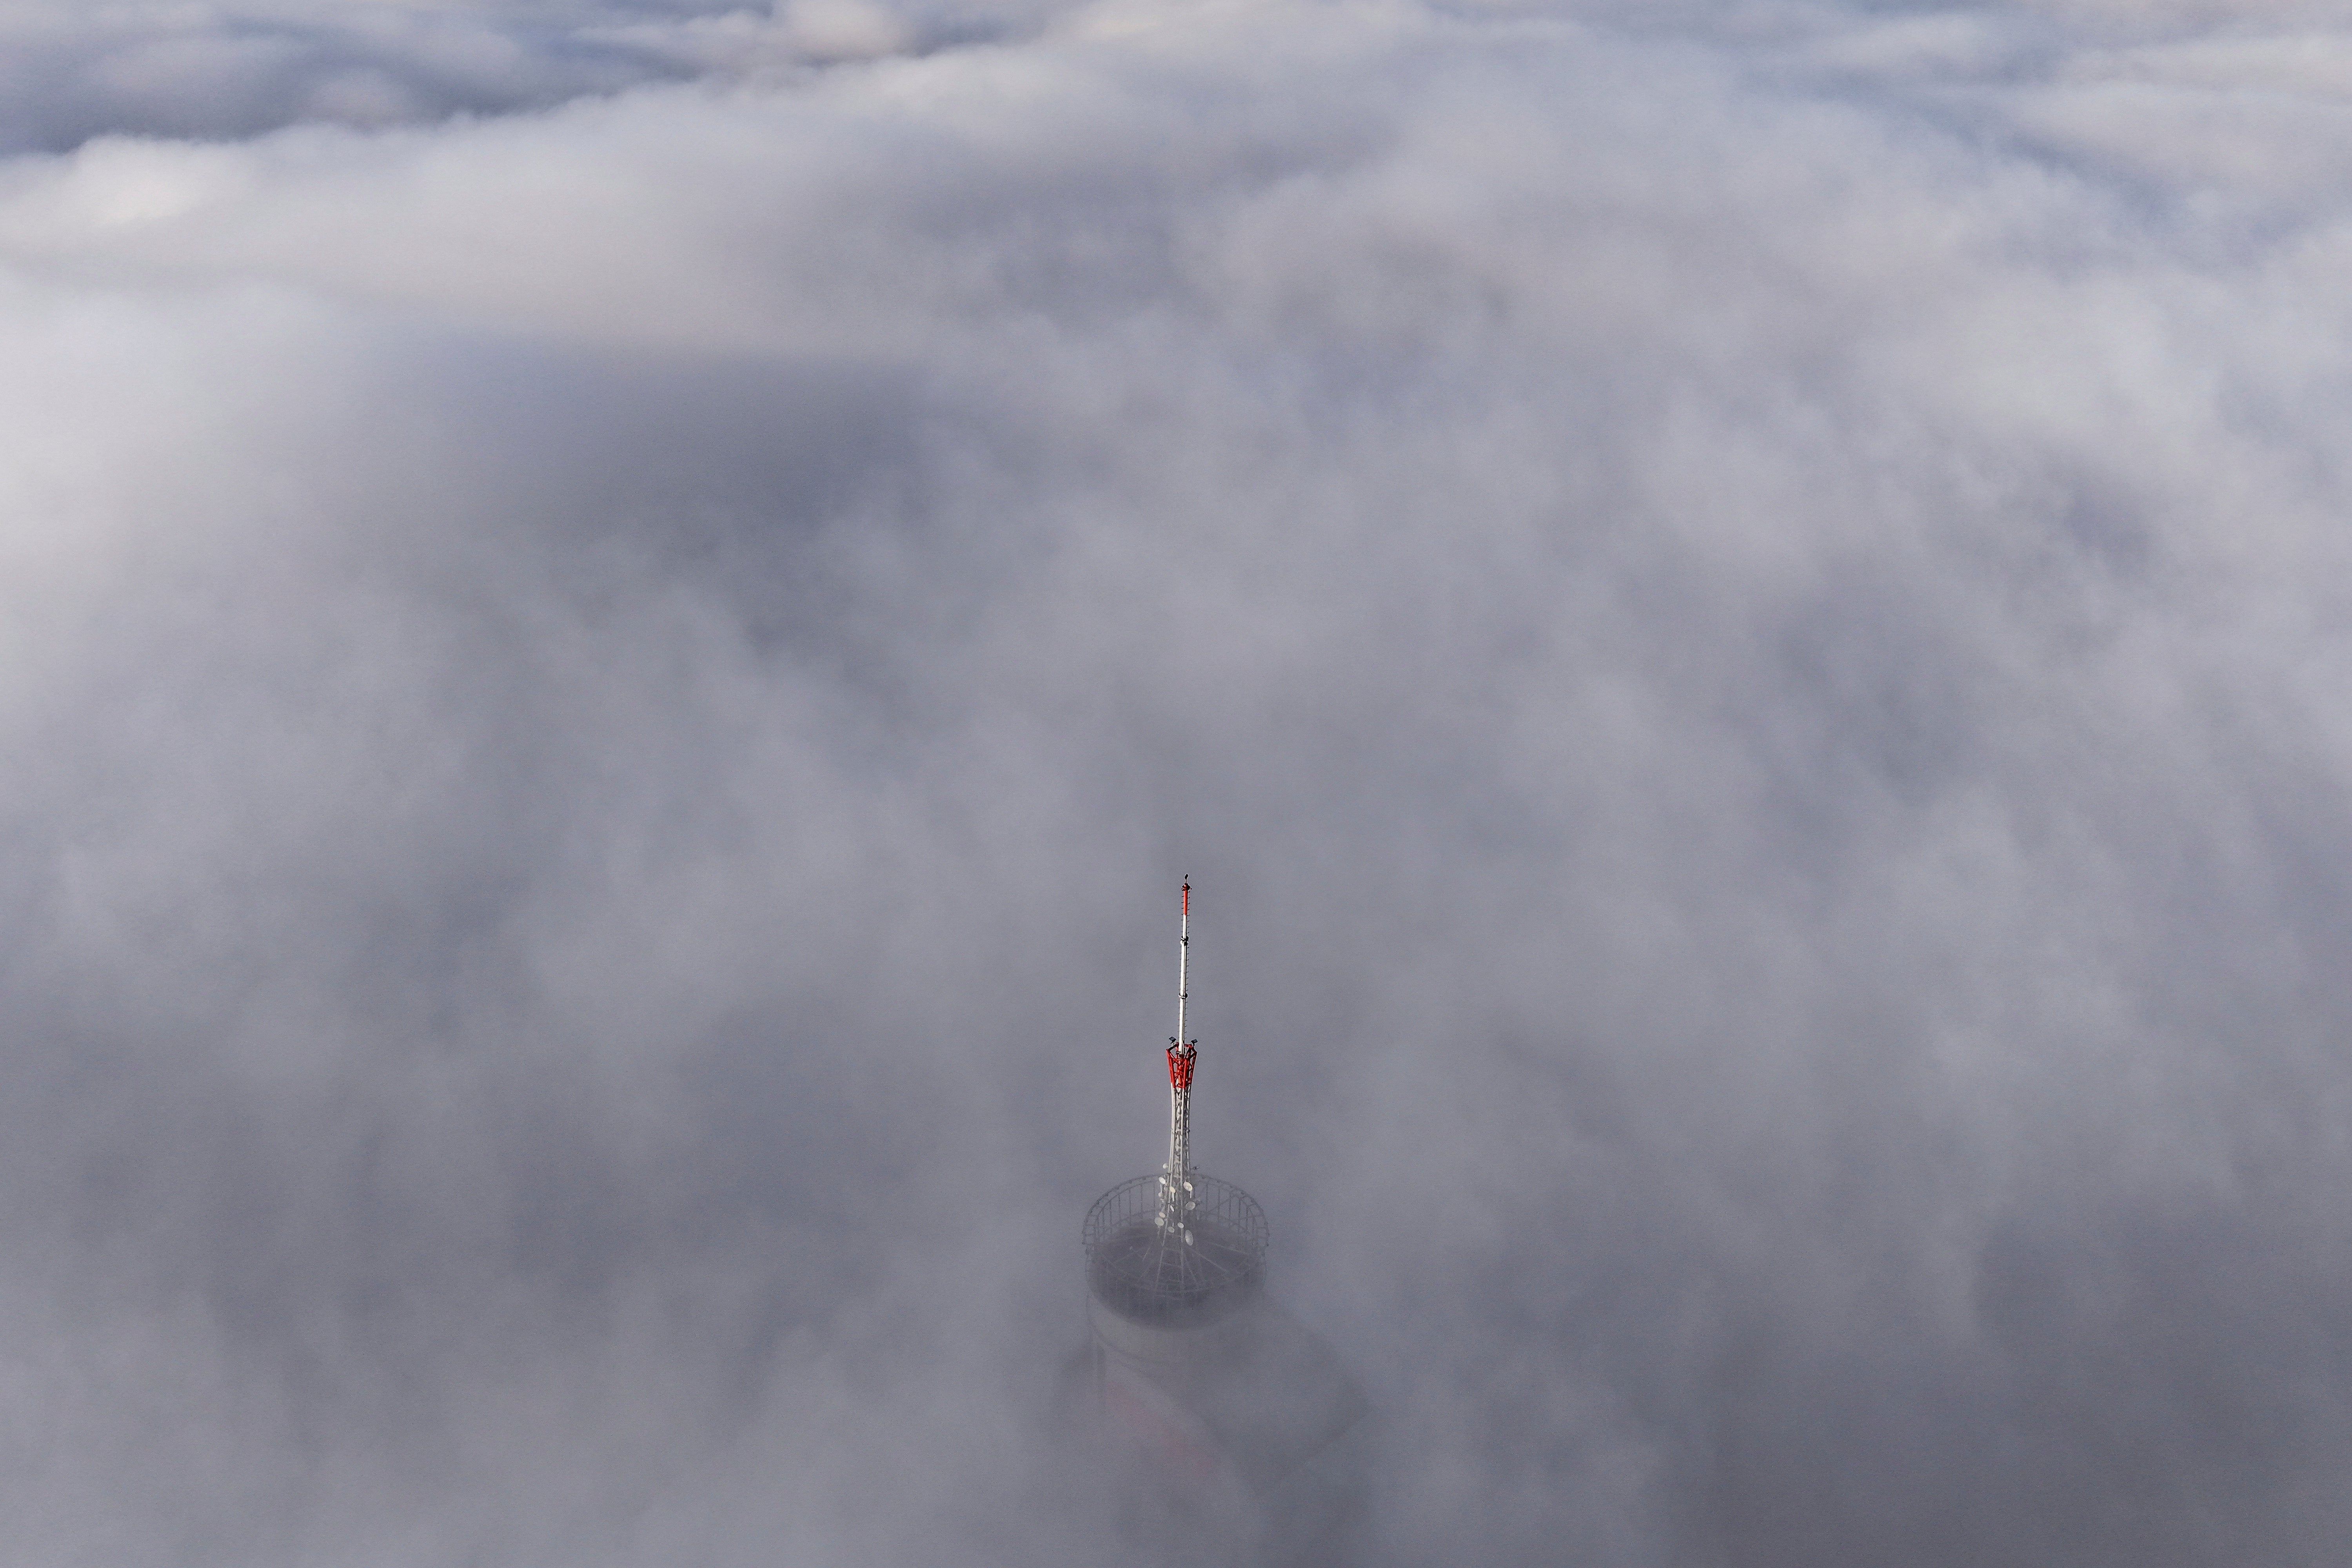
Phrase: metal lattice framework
{"type": "Point", "coordinates": [1144, 1269]}
{"type": "Point", "coordinates": [1181, 1054]}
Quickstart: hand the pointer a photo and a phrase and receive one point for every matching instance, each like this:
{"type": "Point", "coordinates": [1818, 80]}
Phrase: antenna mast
{"type": "Point", "coordinates": [1176, 1203]}
{"type": "Point", "coordinates": [1173, 1249]}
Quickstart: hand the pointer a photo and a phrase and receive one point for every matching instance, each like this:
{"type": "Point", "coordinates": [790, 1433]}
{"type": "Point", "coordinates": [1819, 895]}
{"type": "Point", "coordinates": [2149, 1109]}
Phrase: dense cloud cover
{"type": "Point", "coordinates": [620, 620]}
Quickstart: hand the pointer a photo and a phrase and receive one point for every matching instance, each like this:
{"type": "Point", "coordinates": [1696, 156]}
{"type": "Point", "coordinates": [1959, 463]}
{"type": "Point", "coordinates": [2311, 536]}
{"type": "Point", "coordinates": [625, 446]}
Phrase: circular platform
{"type": "Point", "coordinates": [1191, 1271]}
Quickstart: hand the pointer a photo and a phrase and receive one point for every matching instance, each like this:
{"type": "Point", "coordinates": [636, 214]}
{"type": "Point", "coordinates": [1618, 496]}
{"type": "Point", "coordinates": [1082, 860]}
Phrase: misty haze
{"type": "Point", "coordinates": [620, 618]}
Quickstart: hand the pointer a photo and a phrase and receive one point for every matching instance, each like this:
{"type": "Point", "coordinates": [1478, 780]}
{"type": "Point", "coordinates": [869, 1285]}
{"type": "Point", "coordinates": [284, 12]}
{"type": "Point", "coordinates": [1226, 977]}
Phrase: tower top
{"type": "Point", "coordinates": [1175, 1191]}
{"type": "Point", "coordinates": [1176, 1244]}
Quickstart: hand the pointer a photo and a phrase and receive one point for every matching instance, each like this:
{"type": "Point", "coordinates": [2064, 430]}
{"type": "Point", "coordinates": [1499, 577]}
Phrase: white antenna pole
{"type": "Point", "coordinates": [1176, 1187]}
{"type": "Point", "coordinates": [1184, 960]}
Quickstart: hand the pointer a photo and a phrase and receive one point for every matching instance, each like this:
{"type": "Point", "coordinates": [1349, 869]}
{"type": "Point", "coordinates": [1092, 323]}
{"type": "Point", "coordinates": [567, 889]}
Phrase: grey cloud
{"type": "Point", "coordinates": [193, 71]}
{"type": "Point", "coordinates": [69, 74]}
{"type": "Point", "coordinates": [1738, 622]}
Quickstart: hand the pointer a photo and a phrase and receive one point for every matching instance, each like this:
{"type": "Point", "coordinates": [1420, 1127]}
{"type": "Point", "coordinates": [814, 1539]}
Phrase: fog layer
{"type": "Point", "coordinates": [617, 625]}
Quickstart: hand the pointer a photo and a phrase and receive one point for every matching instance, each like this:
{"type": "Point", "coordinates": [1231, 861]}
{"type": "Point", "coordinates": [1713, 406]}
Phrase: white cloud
{"type": "Point", "coordinates": [616, 623]}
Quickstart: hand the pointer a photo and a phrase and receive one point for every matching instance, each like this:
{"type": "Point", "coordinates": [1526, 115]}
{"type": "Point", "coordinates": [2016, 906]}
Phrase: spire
{"type": "Point", "coordinates": [1175, 1246]}
{"type": "Point", "coordinates": [1176, 1203]}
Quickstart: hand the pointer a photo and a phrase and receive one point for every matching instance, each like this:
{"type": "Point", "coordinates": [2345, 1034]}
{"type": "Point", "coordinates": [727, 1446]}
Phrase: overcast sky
{"type": "Point", "coordinates": [617, 620]}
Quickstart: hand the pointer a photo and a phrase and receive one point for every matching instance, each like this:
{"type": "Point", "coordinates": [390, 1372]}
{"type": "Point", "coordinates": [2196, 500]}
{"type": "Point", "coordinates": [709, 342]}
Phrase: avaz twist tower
{"type": "Point", "coordinates": [1240, 1416]}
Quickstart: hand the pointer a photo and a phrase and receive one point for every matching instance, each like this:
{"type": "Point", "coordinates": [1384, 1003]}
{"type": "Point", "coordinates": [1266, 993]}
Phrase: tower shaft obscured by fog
{"type": "Point", "coordinates": [1235, 1416]}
